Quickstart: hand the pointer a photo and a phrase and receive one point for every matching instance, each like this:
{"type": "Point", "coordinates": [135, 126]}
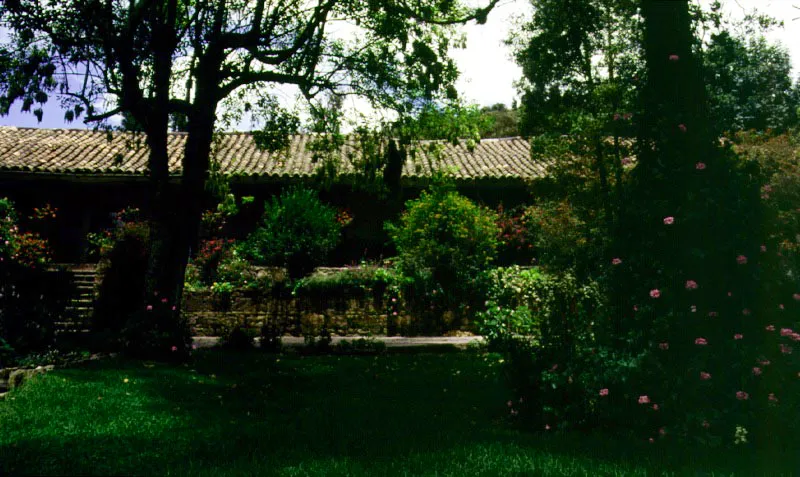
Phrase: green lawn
{"type": "Point", "coordinates": [256, 414]}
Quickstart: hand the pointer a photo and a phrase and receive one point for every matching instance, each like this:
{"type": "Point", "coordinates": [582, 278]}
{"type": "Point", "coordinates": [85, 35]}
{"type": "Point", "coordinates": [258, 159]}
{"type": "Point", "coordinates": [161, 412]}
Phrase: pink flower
{"type": "Point", "coordinates": [701, 341]}
{"type": "Point", "coordinates": [651, 440]}
{"type": "Point", "coordinates": [655, 293]}
{"type": "Point", "coordinates": [394, 313]}
{"type": "Point", "coordinates": [763, 248]}
{"type": "Point", "coordinates": [693, 308]}
{"type": "Point", "coordinates": [616, 116]}
{"type": "Point", "coordinates": [555, 367]}
{"type": "Point", "coordinates": [730, 293]}
{"type": "Point", "coordinates": [738, 336]}
{"type": "Point", "coordinates": [741, 259]}
{"type": "Point", "coordinates": [635, 307]}
{"type": "Point", "coordinates": [796, 296]}
{"type": "Point", "coordinates": [616, 261]}
{"type": "Point", "coordinates": [706, 425]}
{"type": "Point", "coordinates": [547, 427]}
{"type": "Point", "coordinates": [691, 285]}
{"type": "Point", "coordinates": [164, 300]}
{"type": "Point", "coordinates": [655, 407]}
{"type": "Point", "coordinates": [149, 308]}
{"type": "Point", "coordinates": [644, 399]}
{"type": "Point", "coordinates": [770, 327]}
{"type": "Point", "coordinates": [756, 371]}
{"type": "Point", "coordinates": [174, 307]}
{"type": "Point", "coordinates": [669, 220]}
{"type": "Point", "coordinates": [764, 362]}
{"type": "Point", "coordinates": [781, 307]}
{"type": "Point", "coordinates": [394, 300]}
{"type": "Point", "coordinates": [674, 57]}
{"type": "Point", "coordinates": [772, 397]}
{"type": "Point", "coordinates": [705, 376]}
{"type": "Point", "coordinates": [514, 412]}
{"type": "Point", "coordinates": [785, 349]}
{"type": "Point", "coordinates": [786, 331]}
{"type": "Point", "coordinates": [795, 336]}
{"type": "Point", "coordinates": [604, 392]}
{"type": "Point", "coordinates": [742, 396]}
{"type": "Point", "coordinates": [662, 432]}
{"type": "Point", "coordinates": [712, 314]}
{"type": "Point", "coordinates": [174, 348]}
{"type": "Point", "coordinates": [700, 166]}
{"type": "Point", "coordinates": [663, 346]}
{"type": "Point", "coordinates": [682, 127]}
{"type": "Point", "coordinates": [509, 403]}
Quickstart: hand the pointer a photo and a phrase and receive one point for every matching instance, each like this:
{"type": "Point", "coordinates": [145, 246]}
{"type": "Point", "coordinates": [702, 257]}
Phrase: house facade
{"type": "Point", "coordinates": [87, 175]}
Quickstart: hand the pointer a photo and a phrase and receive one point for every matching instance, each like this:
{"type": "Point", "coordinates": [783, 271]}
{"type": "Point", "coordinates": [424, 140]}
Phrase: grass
{"type": "Point", "coordinates": [255, 414]}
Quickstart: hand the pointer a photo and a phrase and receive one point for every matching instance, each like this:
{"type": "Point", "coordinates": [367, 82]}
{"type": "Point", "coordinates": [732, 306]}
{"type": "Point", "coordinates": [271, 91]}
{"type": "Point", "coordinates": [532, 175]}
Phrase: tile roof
{"type": "Point", "coordinates": [86, 152]}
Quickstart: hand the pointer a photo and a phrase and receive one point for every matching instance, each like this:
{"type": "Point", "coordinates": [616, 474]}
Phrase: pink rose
{"type": "Point", "coordinates": [604, 392]}
{"type": "Point", "coordinates": [781, 307]}
{"type": "Point", "coordinates": [149, 308]}
{"type": "Point", "coordinates": [701, 341]}
{"type": "Point", "coordinates": [796, 296]}
{"type": "Point", "coordinates": [706, 425]}
{"type": "Point", "coordinates": [509, 403]}
{"type": "Point", "coordinates": [174, 348]}
{"type": "Point", "coordinates": [663, 346]}
{"type": "Point", "coordinates": [691, 285]}
{"type": "Point", "coordinates": [693, 308]}
{"type": "Point", "coordinates": [674, 57]}
{"type": "Point", "coordinates": [700, 166]}
{"type": "Point", "coordinates": [662, 432]}
{"type": "Point", "coordinates": [616, 261]}
{"type": "Point", "coordinates": [655, 293]}
{"type": "Point", "coordinates": [772, 397]}
{"type": "Point", "coordinates": [756, 371]}
{"type": "Point", "coordinates": [655, 407]}
{"type": "Point", "coordinates": [705, 376]}
{"type": "Point", "coordinates": [174, 307]}
{"type": "Point", "coordinates": [651, 440]}
{"type": "Point", "coordinates": [644, 399]}
{"type": "Point", "coordinates": [785, 349]}
{"type": "Point", "coordinates": [741, 259]}
{"type": "Point", "coordinates": [164, 300]}
{"type": "Point", "coordinates": [764, 362]}
{"type": "Point", "coordinates": [669, 220]}
{"type": "Point", "coordinates": [712, 314]}
{"type": "Point", "coordinates": [763, 248]}
{"type": "Point", "coordinates": [786, 331]}
{"type": "Point", "coordinates": [682, 127]}
{"type": "Point", "coordinates": [738, 336]}
{"type": "Point", "coordinates": [770, 327]}
{"type": "Point", "coordinates": [742, 396]}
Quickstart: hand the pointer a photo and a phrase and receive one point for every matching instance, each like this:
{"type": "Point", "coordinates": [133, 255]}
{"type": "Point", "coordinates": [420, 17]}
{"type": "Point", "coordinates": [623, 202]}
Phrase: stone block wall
{"type": "Point", "coordinates": [296, 316]}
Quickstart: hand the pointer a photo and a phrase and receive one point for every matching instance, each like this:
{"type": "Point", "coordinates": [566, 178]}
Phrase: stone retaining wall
{"type": "Point", "coordinates": [291, 315]}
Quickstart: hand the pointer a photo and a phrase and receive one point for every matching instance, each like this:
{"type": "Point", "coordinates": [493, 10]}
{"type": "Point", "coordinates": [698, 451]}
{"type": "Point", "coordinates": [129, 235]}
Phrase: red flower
{"type": "Point", "coordinates": [701, 341]}
{"type": "Point", "coordinates": [655, 293]}
{"type": "Point", "coordinates": [741, 259]}
{"type": "Point", "coordinates": [644, 399]}
{"type": "Point", "coordinates": [604, 392]}
{"type": "Point", "coordinates": [700, 166]}
{"type": "Point", "coordinates": [669, 220]}
{"type": "Point", "coordinates": [691, 285]}
{"type": "Point", "coordinates": [705, 376]}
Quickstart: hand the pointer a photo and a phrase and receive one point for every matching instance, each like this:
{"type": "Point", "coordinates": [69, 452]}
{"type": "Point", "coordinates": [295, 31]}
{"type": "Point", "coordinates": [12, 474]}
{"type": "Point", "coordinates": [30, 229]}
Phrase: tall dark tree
{"type": "Point", "coordinates": [153, 59]}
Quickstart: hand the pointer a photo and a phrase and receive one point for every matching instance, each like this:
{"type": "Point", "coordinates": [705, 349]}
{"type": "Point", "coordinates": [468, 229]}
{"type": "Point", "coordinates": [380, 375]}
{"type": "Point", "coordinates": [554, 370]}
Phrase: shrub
{"type": "Point", "coordinates": [445, 240]}
{"type": "Point", "coordinates": [559, 236]}
{"type": "Point", "coordinates": [121, 272]}
{"type": "Point", "coordinates": [297, 231]}
{"type": "Point", "coordinates": [32, 299]}
{"type": "Point", "coordinates": [211, 254]}
{"type": "Point", "coordinates": [545, 326]}
{"type": "Point", "coordinates": [515, 240]}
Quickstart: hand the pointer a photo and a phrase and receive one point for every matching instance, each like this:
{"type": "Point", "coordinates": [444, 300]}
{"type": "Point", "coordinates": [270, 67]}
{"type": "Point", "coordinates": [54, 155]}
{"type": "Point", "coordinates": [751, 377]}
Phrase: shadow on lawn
{"type": "Point", "coordinates": [251, 413]}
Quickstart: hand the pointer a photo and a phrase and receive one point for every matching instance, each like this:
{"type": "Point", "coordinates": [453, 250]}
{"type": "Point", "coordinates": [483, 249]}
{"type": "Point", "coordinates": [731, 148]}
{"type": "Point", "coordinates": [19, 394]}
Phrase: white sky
{"type": "Point", "coordinates": [489, 73]}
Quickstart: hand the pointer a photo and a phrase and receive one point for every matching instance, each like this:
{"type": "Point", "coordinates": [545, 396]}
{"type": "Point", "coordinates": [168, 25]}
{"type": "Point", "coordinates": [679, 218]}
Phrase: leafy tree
{"type": "Point", "coordinates": [749, 83]}
{"type": "Point", "coordinates": [580, 60]}
{"type": "Point", "coordinates": [153, 60]}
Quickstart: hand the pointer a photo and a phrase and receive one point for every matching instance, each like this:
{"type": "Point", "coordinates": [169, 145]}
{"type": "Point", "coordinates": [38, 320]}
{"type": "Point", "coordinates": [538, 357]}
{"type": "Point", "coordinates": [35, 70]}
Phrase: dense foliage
{"type": "Point", "coordinates": [445, 240]}
{"type": "Point", "coordinates": [297, 231]}
{"type": "Point", "coordinates": [32, 298]}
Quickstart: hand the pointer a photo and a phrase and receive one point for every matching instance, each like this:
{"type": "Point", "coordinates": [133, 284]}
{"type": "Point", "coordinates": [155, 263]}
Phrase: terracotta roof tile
{"type": "Point", "coordinates": [63, 151]}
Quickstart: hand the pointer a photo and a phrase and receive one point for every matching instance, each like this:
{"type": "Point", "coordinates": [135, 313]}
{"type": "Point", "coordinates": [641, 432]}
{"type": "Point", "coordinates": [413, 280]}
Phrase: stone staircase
{"type": "Point", "coordinates": [79, 309]}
